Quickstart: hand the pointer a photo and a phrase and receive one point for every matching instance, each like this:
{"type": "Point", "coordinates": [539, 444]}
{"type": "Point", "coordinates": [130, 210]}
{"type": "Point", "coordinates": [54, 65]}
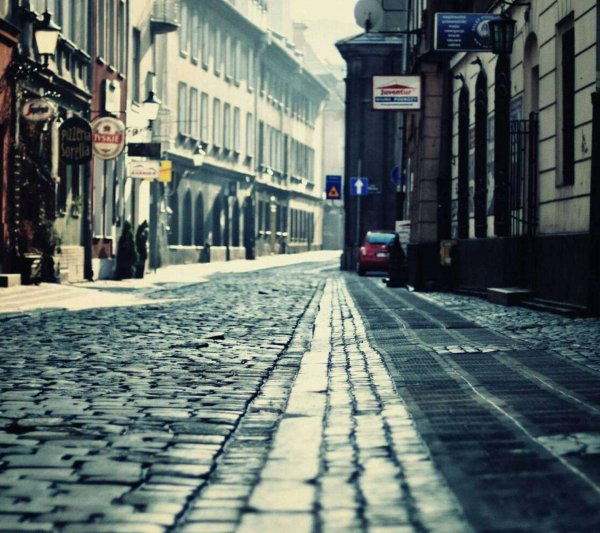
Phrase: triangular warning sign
{"type": "Point", "coordinates": [333, 192]}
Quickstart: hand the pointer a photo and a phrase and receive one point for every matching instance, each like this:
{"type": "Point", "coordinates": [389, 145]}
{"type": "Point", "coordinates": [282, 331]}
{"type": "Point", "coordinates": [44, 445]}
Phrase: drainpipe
{"type": "Point", "coordinates": [594, 256]}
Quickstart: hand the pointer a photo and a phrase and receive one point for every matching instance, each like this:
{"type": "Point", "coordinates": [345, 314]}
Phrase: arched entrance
{"type": "Point", "coordinates": [501, 146]}
{"type": "Point", "coordinates": [249, 227]}
{"type": "Point", "coordinates": [235, 224]}
{"type": "Point", "coordinates": [481, 140]}
{"type": "Point", "coordinates": [199, 221]}
{"type": "Point", "coordinates": [463, 163]}
{"type": "Point", "coordinates": [174, 222]}
{"type": "Point", "coordinates": [217, 213]}
{"type": "Point", "coordinates": [186, 220]}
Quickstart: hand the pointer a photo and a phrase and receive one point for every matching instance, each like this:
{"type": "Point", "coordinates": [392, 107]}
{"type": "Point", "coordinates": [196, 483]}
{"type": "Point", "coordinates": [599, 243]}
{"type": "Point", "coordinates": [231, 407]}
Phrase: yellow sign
{"type": "Point", "coordinates": [166, 172]}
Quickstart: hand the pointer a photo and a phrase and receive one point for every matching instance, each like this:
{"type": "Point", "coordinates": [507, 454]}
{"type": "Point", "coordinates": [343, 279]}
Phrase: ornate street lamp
{"type": "Point", "coordinates": [502, 34]}
{"type": "Point", "coordinates": [46, 34]}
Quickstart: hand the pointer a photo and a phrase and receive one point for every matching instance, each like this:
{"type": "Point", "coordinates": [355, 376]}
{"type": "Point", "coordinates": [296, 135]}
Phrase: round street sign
{"type": "Point", "coordinates": [108, 137]}
{"type": "Point", "coordinates": [38, 109]}
{"type": "Point", "coordinates": [75, 141]}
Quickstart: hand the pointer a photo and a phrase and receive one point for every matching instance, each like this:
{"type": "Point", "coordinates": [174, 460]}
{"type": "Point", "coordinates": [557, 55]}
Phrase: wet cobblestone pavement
{"type": "Point", "coordinates": [512, 420]}
{"type": "Point", "coordinates": [113, 419]}
{"type": "Point", "coordinates": [298, 400]}
{"type": "Point", "coordinates": [575, 338]}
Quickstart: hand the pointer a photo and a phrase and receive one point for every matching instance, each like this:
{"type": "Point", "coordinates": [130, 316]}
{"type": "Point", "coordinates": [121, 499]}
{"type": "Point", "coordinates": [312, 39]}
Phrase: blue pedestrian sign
{"type": "Point", "coordinates": [333, 187]}
{"type": "Point", "coordinates": [359, 186]}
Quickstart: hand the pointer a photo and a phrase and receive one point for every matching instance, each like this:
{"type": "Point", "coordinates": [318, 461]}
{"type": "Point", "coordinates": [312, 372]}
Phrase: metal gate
{"type": "Point", "coordinates": [523, 176]}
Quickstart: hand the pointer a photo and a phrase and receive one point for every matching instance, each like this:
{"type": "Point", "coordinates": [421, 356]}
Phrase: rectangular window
{"type": "Point", "coordinates": [227, 126]}
{"type": "Point", "coordinates": [237, 62]}
{"type": "Point", "coordinates": [217, 123]}
{"type": "Point", "coordinates": [236, 130]}
{"type": "Point", "coordinates": [136, 60]}
{"type": "Point", "coordinates": [251, 70]}
{"type": "Point", "coordinates": [205, 44]}
{"type": "Point", "coordinates": [122, 36]}
{"type": "Point", "coordinates": [204, 118]}
{"type": "Point", "coordinates": [218, 51]}
{"type": "Point", "coordinates": [261, 143]}
{"type": "Point", "coordinates": [100, 30]}
{"type": "Point", "coordinates": [195, 34]}
{"type": "Point", "coordinates": [228, 58]}
{"type": "Point", "coordinates": [194, 123]}
{"type": "Point", "coordinates": [112, 34]}
{"type": "Point", "coordinates": [182, 115]}
{"type": "Point", "coordinates": [184, 35]}
{"type": "Point", "coordinates": [249, 135]}
{"type": "Point", "coordinates": [566, 105]}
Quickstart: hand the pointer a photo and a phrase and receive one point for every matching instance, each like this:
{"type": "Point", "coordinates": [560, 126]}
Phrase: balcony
{"type": "Point", "coordinates": [165, 16]}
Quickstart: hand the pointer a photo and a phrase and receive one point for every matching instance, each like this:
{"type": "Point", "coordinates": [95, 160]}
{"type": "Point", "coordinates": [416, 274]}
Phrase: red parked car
{"type": "Point", "coordinates": [374, 254]}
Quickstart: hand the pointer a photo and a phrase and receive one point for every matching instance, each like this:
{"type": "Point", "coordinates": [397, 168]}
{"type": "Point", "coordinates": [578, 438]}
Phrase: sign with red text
{"type": "Point", "coordinates": [108, 135]}
{"type": "Point", "coordinates": [39, 109]}
{"type": "Point", "coordinates": [397, 93]}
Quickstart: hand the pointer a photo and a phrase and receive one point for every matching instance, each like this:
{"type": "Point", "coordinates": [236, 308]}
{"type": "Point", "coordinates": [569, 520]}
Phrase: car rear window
{"type": "Point", "coordinates": [380, 238]}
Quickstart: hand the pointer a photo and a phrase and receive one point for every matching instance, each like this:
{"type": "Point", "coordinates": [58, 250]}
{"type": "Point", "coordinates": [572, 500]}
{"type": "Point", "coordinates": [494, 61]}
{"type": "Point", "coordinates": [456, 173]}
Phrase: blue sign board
{"type": "Point", "coordinates": [463, 32]}
{"type": "Point", "coordinates": [359, 186]}
{"type": "Point", "coordinates": [333, 187]}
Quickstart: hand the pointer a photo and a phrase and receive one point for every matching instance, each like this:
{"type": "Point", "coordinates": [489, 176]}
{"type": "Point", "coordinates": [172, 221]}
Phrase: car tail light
{"type": "Point", "coordinates": [363, 250]}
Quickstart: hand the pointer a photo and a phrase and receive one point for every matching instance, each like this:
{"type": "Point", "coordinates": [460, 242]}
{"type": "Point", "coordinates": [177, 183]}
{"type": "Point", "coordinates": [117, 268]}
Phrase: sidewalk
{"type": "Point", "coordinates": [112, 293]}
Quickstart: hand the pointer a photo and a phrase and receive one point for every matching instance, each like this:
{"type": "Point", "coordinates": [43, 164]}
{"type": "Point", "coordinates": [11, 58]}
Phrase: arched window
{"type": "Point", "coordinates": [186, 220]}
{"type": "Point", "coordinates": [463, 163]}
{"type": "Point", "coordinates": [199, 221]}
{"type": "Point", "coordinates": [481, 139]}
{"type": "Point", "coordinates": [501, 146]}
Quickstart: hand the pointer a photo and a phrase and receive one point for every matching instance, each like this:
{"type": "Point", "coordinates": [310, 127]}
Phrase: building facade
{"type": "Point", "coordinates": [513, 177]}
{"type": "Point", "coordinates": [240, 121]}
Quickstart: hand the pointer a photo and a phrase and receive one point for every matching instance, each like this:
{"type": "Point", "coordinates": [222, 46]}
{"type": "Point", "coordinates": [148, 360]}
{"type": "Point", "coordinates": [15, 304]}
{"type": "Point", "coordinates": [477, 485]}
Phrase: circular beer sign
{"type": "Point", "coordinates": [39, 109]}
{"type": "Point", "coordinates": [108, 135]}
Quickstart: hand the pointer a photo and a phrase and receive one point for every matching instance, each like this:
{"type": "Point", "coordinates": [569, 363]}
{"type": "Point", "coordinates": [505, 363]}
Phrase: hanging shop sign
{"type": "Point", "coordinates": [39, 109]}
{"type": "Point", "coordinates": [166, 171]}
{"type": "Point", "coordinates": [75, 141]}
{"type": "Point", "coordinates": [145, 170]}
{"type": "Point", "coordinates": [463, 32]}
{"type": "Point", "coordinates": [396, 93]}
{"type": "Point", "coordinates": [109, 137]}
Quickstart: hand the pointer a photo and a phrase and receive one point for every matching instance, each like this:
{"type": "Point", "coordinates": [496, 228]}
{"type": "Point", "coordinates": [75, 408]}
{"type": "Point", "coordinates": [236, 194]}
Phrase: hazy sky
{"type": "Point", "coordinates": [328, 22]}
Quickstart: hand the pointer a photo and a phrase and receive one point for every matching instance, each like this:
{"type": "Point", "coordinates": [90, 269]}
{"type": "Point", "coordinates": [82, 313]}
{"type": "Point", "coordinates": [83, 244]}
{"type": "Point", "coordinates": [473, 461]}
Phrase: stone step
{"type": "Point", "coordinates": [508, 295]}
{"type": "Point", "coordinates": [10, 280]}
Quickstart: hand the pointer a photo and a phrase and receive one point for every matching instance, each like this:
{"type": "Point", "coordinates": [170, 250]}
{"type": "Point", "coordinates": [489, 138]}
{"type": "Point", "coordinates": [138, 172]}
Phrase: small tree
{"type": "Point", "coordinates": [126, 253]}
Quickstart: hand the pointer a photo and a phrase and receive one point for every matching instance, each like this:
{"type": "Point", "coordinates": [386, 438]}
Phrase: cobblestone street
{"type": "Point", "coordinates": [298, 399]}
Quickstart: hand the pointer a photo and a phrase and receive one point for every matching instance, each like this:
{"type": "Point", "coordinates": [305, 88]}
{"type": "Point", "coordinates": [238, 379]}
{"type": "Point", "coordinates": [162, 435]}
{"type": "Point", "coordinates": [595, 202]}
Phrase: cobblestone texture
{"type": "Point", "coordinates": [575, 338]}
{"type": "Point", "coordinates": [114, 419]}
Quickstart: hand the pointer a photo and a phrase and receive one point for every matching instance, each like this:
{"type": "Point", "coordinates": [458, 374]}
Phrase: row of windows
{"type": "Point", "coordinates": [194, 121]}
{"type": "Point", "coordinates": [291, 224]}
{"type": "Point", "coordinates": [284, 154]}
{"type": "Point", "coordinates": [201, 40]}
{"type": "Point", "coordinates": [280, 94]}
{"type": "Point", "coordinates": [277, 150]}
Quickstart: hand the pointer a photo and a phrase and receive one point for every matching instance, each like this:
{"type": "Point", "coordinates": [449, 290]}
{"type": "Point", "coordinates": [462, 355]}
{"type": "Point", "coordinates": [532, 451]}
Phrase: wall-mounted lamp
{"type": "Point", "coordinates": [151, 106]}
{"type": "Point", "coordinates": [198, 157]}
{"type": "Point", "coordinates": [46, 34]}
{"type": "Point", "coordinates": [502, 29]}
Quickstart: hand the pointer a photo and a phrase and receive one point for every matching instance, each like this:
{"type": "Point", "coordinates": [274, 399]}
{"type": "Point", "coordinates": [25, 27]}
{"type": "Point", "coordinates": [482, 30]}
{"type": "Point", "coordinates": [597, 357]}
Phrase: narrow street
{"type": "Point", "coordinates": [295, 398]}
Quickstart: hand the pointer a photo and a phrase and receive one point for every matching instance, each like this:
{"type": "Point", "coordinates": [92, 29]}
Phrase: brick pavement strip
{"type": "Point", "coordinates": [346, 456]}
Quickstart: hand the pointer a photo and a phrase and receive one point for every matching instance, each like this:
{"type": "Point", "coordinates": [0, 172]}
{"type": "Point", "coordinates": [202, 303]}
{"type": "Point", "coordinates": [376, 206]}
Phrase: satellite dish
{"type": "Point", "coordinates": [369, 14]}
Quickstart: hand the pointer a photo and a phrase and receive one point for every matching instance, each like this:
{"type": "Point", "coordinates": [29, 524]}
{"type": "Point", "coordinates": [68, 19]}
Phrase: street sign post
{"type": "Point", "coordinates": [333, 187]}
{"type": "Point", "coordinates": [359, 186]}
